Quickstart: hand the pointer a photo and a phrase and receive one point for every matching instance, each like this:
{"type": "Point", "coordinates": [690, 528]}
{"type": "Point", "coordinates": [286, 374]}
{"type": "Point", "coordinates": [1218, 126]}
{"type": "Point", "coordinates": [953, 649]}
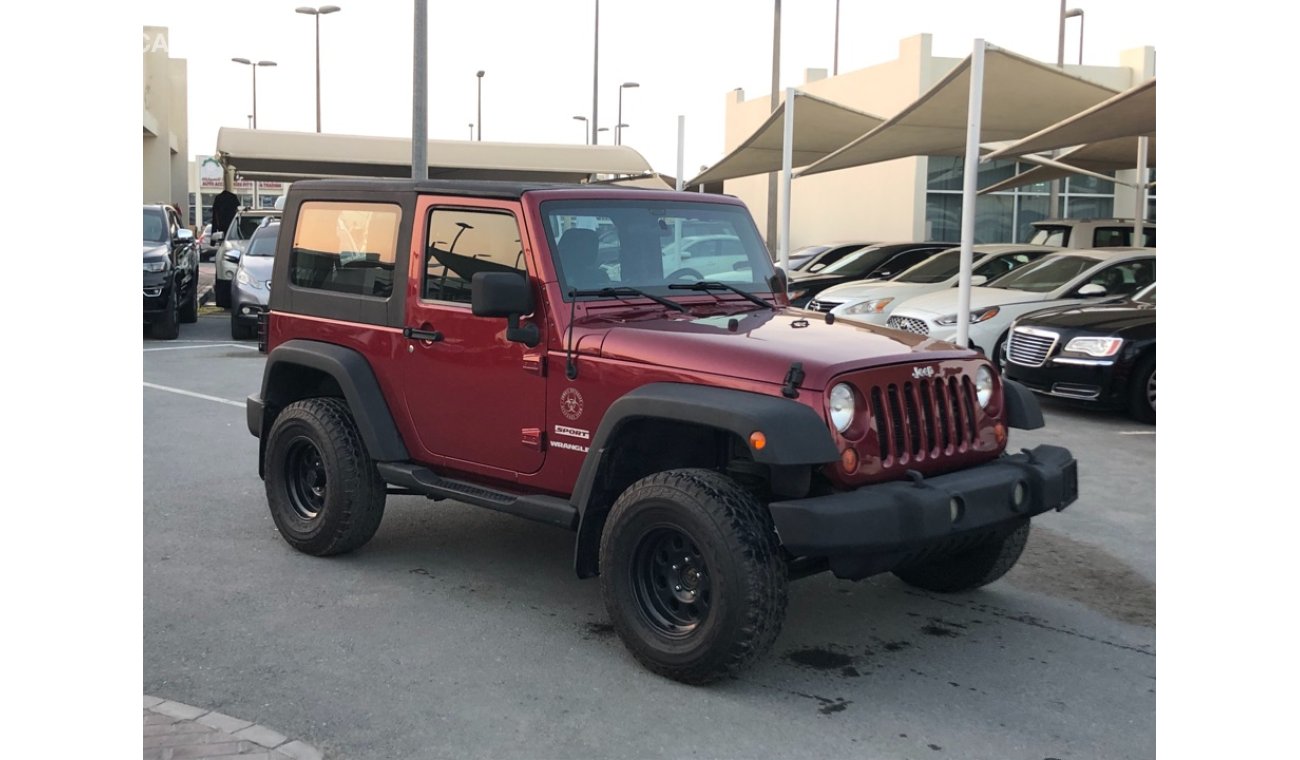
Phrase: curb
{"type": "Point", "coordinates": [177, 730]}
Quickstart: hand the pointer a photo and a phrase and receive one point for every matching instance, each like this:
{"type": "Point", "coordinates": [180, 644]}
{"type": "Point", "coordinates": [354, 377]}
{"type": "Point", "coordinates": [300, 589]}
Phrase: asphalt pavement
{"type": "Point", "coordinates": [461, 632]}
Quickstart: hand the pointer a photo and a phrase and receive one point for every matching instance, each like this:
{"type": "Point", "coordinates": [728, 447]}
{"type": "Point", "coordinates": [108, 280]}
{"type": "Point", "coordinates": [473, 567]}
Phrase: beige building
{"type": "Point", "coordinates": [166, 141]}
{"type": "Point", "coordinates": [919, 198]}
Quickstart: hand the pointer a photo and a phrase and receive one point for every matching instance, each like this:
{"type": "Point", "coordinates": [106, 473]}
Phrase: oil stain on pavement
{"type": "Point", "coordinates": [1062, 567]}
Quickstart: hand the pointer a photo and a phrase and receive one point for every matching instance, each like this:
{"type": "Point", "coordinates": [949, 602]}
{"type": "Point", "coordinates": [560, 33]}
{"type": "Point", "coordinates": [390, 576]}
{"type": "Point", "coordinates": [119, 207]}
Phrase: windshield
{"type": "Point", "coordinates": [1047, 274]}
{"type": "Point", "coordinates": [937, 268]}
{"type": "Point", "coordinates": [263, 243]}
{"type": "Point", "coordinates": [643, 244]}
{"type": "Point", "coordinates": [1147, 296]}
{"type": "Point", "coordinates": [244, 227]}
{"type": "Point", "coordinates": [155, 227]}
{"type": "Point", "coordinates": [859, 262]}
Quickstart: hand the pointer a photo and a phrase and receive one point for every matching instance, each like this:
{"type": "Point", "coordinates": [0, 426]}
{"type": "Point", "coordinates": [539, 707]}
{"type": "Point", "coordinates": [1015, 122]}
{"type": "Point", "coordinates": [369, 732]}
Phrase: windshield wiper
{"type": "Point", "coordinates": [707, 285]}
{"type": "Point", "coordinates": [624, 290]}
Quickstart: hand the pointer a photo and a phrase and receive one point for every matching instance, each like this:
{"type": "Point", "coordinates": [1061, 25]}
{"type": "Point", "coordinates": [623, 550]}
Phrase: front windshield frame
{"type": "Point", "coordinates": [619, 218]}
{"type": "Point", "coordinates": [1016, 278]}
{"type": "Point", "coordinates": [1146, 295]}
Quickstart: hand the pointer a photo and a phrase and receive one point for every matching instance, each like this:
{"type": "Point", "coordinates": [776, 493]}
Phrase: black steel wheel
{"type": "Point", "coordinates": [167, 326]}
{"type": "Point", "coordinates": [325, 495]}
{"type": "Point", "coordinates": [1142, 391]}
{"type": "Point", "coordinates": [692, 574]}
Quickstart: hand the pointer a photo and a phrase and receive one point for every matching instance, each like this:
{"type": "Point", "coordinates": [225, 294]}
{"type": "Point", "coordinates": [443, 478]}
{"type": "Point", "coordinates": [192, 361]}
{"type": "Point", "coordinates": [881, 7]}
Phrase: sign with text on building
{"type": "Point", "coordinates": [211, 170]}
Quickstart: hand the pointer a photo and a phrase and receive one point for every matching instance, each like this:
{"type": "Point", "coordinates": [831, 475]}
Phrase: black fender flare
{"type": "Point", "coordinates": [355, 378]}
{"type": "Point", "coordinates": [796, 435]}
{"type": "Point", "coordinates": [1022, 408]}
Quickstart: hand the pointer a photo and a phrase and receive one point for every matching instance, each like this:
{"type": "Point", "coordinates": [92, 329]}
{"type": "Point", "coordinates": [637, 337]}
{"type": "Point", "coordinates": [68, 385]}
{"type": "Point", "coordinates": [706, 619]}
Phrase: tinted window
{"type": "Point", "coordinates": [1108, 237]}
{"type": "Point", "coordinates": [345, 247]}
{"type": "Point", "coordinates": [902, 261]}
{"type": "Point", "coordinates": [1057, 236]}
{"type": "Point", "coordinates": [1048, 274]}
{"type": "Point", "coordinates": [831, 256]}
{"type": "Point", "coordinates": [997, 266]}
{"type": "Point", "coordinates": [244, 227]}
{"type": "Point", "coordinates": [462, 243]}
{"type": "Point", "coordinates": [1125, 279]}
{"type": "Point", "coordinates": [155, 227]}
{"type": "Point", "coordinates": [263, 243]}
{"type": "Point", "coordinates": [859, 262]}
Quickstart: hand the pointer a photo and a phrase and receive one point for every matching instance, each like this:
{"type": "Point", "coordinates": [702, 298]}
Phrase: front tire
{"type": "Point", "coordinates": [970, 569]}
{"type": "Point", "coordinates": [221, 292]}
{"type": "Point", "coordinates": [167, 326]}
{"type": "Point", "coordinates": [190, 309]}
{"type": "Point", "coordinates": [240, 331]}
{"type": "Point", "coordinates": [692, 575]}
{"type": "Point", "coordinates": [326, 496]}
{"type": "Point", "coordinates": [1142, 391]}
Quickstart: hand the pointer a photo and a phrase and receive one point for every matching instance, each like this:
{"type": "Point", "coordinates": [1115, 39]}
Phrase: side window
{"type": "Point", "coordinates": [1127, 278]}
{"type": "Point", "coordinates": [345, 247]}
{"type": "Point", "coordinates": [1149, 235]}
{"type": "Point", "coordinates": [1107, 237]}
{"type": "Point", "coordinates": [906, 261]}
{"type": "Point", "coordinates": [463, 242]}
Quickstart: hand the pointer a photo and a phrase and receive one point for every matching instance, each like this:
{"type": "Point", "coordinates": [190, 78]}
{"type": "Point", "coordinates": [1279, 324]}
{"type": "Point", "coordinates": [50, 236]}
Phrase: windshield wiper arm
{"type": "Point", "coordinates": [706, 285]}
{"type": "Point", "coordinates": [624, 290]}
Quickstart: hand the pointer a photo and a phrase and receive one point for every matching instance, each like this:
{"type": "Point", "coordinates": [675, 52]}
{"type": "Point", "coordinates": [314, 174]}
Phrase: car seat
{"type": "Point", "coordinates": [577, 252]}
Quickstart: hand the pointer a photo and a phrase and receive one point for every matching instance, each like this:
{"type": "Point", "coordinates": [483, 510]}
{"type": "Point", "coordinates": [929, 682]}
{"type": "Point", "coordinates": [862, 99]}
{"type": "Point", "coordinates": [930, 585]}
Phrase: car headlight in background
{"type": "Point", "coordinates": [1095, 346]}
{"type": "Point", "coordinates": [842, 407]}
{"type": "Point", "coordinates": [873, 306]}
{"type": "Point", "coordinates": [976, 317]}
{"type": "Point", "coordinates": [245, 278]}
{"type": "Point", "coordinates": [159, 265]}
{"type": "Point", "coordinates": [984, 385]}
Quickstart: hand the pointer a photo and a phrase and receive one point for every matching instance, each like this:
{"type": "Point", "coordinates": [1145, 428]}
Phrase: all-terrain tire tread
{"type": "Point", "coordinates": [970, 569]}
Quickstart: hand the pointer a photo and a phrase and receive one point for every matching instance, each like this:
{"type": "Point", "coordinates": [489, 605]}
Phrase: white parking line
{"type": "Point", "coordinates": [205, 345]}
{"type": "Point", "coordinates": [192, 394]}
{"type": "Point", "coordinates": [1137, 432]}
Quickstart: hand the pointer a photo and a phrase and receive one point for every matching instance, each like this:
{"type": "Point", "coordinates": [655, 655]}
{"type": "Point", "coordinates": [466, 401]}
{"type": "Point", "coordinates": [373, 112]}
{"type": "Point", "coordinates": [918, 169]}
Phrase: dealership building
{"type": "Point", "coordinates": [166, 142]}
{"type": "Point", "coordinates": [919, 198]}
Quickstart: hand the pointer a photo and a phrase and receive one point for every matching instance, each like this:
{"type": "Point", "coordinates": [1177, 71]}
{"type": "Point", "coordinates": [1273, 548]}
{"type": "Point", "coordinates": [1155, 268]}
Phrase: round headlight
{"type": "Point", "coordinates": [984, 385]}
{"type": "Point", "coordinates": [842, 407]}
{"type": "Point", "coordinates": [243, 277]}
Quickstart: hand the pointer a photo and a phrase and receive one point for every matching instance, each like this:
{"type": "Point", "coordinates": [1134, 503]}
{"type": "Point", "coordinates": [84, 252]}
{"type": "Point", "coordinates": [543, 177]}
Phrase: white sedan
{"type": "Point", "coordinates": [1064, 278]}
{"type": "Point", "coordinates": [872, 301]}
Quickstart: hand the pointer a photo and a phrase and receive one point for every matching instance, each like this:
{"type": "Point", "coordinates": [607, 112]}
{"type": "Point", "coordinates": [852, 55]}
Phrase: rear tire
{"type": "Point", "coordinates": [692, 575]}
{"type": "Point", "coordinates": [167, 326]}
{"type": "Point", "coordinates": [326, 496]}
{"type": "Point", "coordinates": [1142, 391]}
{"type": "Point", "coordinates": [190, 309]}
{"type": "Point", "coordinates": [970, 569]}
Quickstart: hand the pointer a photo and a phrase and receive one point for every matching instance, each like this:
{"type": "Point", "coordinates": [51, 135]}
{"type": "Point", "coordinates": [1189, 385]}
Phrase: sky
{"type": "Point", "coordinates": [686, 55]}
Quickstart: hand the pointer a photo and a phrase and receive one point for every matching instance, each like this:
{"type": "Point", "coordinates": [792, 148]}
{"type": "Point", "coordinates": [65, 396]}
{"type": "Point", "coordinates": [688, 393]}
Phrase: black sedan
{"type": "Point", "coordinates": [877, 262]}
{"type": "Point", "coordinates": [1101, 353]}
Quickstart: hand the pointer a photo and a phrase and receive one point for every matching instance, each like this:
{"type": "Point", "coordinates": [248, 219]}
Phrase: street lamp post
{"type": "Point", "coordinates": [324, 10]}
{"type": "Point", "coordinates": [1072, 13]}
{"type": "Point", "coordinates": [586, 138]}
{"type": "Point", "coordinates": [254, 65]}
{"type": "Point", "coordinates": [1054, 191]}
{"type": "Point", "coordinates": [595, 80]}
{"type": "Point", "coordinates": [471, 130]}
{"type": "Point", "coordinates": [836, 70]}
{"type": "Point", "coordinates": [480, 105]}
{"type": "Point", "coordinates": [618, 130]}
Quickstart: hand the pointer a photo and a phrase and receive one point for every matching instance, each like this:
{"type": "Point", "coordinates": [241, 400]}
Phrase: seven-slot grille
{"type": "Point", "coordinates": [816, 305]}
{"type": "Point", "coordinates": [924, 418]}
{"type": "Point", "coordinates": [909, 324]}
{"type": "Point", "coordinates": [1030, 347]}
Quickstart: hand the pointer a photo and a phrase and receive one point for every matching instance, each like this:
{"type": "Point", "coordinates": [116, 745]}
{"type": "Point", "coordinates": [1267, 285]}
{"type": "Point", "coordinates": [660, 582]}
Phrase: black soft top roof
{"type": "Point", "coordinates": [472, 188]}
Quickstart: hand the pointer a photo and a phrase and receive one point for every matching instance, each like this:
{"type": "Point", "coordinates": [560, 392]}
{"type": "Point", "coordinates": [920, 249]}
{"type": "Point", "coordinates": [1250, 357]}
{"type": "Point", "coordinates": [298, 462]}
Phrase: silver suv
{"type": "Point", "coordinates": [242, 227]}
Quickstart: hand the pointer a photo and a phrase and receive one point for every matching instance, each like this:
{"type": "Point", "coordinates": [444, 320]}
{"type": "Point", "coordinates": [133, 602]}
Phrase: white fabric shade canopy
{"type": "Point", "coordinates": [1020, 96]}
{"type": "Point", "coordinates": [820, 127]}
{"type": "Point", "coordinates": [1094, 160]}
{"type": "Point", "coordinates": [1131, 113]}
{"type": "Point", "coordinates": [264, 154]}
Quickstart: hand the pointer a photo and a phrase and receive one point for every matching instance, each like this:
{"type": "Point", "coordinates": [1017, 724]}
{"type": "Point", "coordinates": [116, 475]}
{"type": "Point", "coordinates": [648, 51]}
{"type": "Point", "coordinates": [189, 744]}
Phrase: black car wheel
{"type": "Point", "coordinates": [692, 575]}
{"type": "Point", "coordinates": [326, 496]}
{"type": "Point", "coordinates": [221, 292]}
{"type": "Point", "coordinates": [1142, 391]}
{"type": "Point", "coordinates": [977, 566]}
{"type": "Point", "coordinates": [167, 325]}
{"type": "Point", "coordinates": [190, 309]}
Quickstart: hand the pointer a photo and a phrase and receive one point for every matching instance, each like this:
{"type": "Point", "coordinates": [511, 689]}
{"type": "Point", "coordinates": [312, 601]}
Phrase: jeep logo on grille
{"type": "Point", "coordinates": [919, 372]}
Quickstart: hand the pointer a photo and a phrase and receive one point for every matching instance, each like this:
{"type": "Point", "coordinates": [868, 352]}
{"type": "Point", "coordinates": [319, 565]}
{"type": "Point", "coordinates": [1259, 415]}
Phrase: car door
{"type": "Point", "coordinates": [473, 396]}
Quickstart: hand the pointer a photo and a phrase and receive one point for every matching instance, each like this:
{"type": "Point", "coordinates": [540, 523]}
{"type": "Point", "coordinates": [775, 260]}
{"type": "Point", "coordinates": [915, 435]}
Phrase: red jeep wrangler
{"type": "Point", "coordinates": [551, 351]}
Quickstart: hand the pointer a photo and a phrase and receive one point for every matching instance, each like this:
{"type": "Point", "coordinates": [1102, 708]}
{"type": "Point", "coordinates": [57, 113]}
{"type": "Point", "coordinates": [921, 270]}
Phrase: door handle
{"type": "Point", "coordinates": [433, 336]}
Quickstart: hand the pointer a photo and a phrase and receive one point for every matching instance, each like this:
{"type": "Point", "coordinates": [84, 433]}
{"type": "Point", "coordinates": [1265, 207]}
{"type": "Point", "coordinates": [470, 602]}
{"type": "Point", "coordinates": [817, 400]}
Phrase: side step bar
{"type": "Point", "coordinates": [422, 480]}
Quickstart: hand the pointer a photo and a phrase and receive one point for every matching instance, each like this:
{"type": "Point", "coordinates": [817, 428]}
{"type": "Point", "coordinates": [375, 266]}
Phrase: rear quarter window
{"type": "Point", "coordinates": [345, 247]}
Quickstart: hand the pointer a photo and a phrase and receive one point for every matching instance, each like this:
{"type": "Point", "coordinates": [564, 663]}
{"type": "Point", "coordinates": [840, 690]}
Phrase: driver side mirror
{"type": "Point", "coordinates": [780, 281]}
{"type": "Point", "coordinates": [509, 295]}
{"type": "Point", "coordinates": [977, 280]}
{"type": "Point", "coordinates": [232, 256]}
{"type": "Point", "coordinates": [216, 237]}
{"type": "Point", "coordinates": [1091, 290]}
{"type": "Point", "coordinates": [184, 236]}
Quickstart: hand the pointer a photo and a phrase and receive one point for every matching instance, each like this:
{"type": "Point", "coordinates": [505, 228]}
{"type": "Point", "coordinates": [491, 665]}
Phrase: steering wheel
{"type": "Point", "coordinates": [678, 274]}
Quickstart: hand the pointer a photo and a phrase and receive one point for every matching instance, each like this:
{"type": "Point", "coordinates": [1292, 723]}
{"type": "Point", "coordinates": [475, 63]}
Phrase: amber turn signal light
{"type": "Point", "coordinates": [849, 460]}
{"type": "Point", "coordinates": [757, 440]}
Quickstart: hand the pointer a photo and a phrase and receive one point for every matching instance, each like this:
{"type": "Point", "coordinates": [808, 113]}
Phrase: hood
{"type": "Point", "coordinates": [945, 301]}
{"type": "Point", "coordinates": [762, 347]}
{"type": "Point", "coordinates": [154, 250]}
{"type": "Point", "coordinates": [861, 290]}
{"type": "Point", "coordinates": [1101, 317]}
{"type": "Point", "coordinates": [258, 267]}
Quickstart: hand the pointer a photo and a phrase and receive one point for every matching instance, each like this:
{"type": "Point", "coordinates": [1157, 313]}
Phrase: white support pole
{"type": "Point", "coordinates": [968, 192]}
{"type": "Point", "coordinates": [681, 150]}
{"type": "Point", "coordinates": [1140, 197]}
{"type": "Point", "coordinates": [787, 161]}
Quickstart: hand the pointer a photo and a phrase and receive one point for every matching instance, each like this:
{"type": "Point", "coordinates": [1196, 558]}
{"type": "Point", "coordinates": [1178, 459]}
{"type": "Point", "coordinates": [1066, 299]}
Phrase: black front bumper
{"type": "Point", "coordinates": [874, 528]}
